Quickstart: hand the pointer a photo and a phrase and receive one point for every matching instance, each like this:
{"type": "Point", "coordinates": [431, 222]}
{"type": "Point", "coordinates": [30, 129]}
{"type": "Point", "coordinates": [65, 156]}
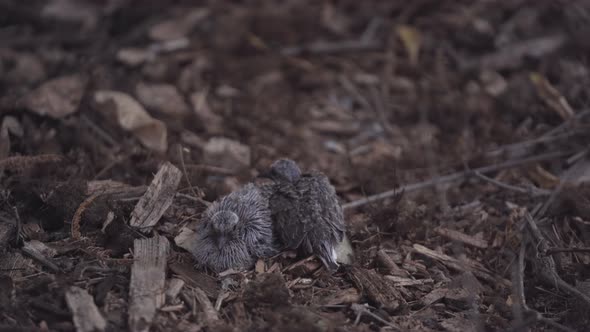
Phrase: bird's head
{"type": "Point", "coordinates": [224, 224]}
{"type": "Point", "coordinates": [283, 170]}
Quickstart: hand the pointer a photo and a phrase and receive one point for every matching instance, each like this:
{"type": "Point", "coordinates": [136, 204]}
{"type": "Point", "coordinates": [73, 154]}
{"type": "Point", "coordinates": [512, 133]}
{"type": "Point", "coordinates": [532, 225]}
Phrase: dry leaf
{"type": "Point", "coordinates": [79, 11]}
{"type": "Point", "coordinates": [412, 41]}
{"type": "Point", "coordinates": [133, 56]}
{"type": "Point", "coordinates": [131, 116]}
{"type": "Point", "coordinates": [163, 98]}
{"type": "Point", "coordinates": [212, 122]}
{"type": "Point", "coordinates": [226, 153]}
{"type": "Point", "coordinates": [58, 97]}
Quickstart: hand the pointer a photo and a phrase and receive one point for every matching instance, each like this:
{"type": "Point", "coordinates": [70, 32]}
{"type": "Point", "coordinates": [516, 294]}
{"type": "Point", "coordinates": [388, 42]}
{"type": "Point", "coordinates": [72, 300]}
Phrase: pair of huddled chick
{"type": "Point", "coordinates": [294, 212]}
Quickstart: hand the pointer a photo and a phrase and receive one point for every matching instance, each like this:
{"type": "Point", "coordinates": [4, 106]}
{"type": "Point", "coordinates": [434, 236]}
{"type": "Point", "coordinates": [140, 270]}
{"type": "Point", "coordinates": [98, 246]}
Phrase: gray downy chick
{"type": "Point", "coordinates": [305, 210]}
{"type": "Point", "coordinates": [235, 231]}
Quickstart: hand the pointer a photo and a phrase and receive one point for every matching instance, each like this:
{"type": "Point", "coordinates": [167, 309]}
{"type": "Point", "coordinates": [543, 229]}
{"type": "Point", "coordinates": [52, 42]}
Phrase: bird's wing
{"type": "Point", "coordinates": [320, 200]}
{"type": "Point", "coordinates": [284, 206]}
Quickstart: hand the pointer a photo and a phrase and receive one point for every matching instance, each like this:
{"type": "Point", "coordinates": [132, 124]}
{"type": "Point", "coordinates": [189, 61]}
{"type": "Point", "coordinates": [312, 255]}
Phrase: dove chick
{"type": "Point", "coordinates": [235, 231]}
{"type": "Point", "coordinates": [306, 213]}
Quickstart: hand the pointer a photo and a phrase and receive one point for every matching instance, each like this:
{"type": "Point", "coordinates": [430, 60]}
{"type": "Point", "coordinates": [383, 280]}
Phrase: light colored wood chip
{"type": "Point", "coordinates": [41, 253]}
{"type": "Point", "coordinates": [399, 281]}
{"type": "Point", "coordinates": [462, 237]}
{"type": "Point", "coordinates": [85, 314]}
{"type": "Point", "coordinates": [157, 198]}
{"type": "Point", "coordinates": [148, 277]}
{"type": "Point", "coordinates": [394, 269]}
{"type": "Point", "coordinates": [173, 288]}
{"type": "Point", "coordinates": [209, 312]}
{"type": "Point", "coordinates": [376, 287]}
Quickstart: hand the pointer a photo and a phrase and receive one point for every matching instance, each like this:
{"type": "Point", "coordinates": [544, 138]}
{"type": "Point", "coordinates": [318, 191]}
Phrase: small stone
{"type": "Point", "coordinates": [226, 153]}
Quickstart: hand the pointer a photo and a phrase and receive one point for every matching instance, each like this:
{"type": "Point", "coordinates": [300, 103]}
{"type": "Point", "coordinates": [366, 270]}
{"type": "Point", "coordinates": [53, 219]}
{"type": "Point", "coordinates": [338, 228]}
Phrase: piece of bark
{"type": "Point", "coordinates": [7, 233]}
{"type": "Point", "coordinates": [173, 288]}
{"type": "Point", "coordinates": [196, 279]}
{"type": "Point", "coordinates": [466, 265]}
{"type": "Point", "coordinates": [148, 277]}
{"type": "Point", "coordinates": [227, 153]}
{"type": "Point", "coordinates": [37, 251]}
{"type": "Point", "coordinates": [209, 312]}
{"type": "Point", "coordinates": [394, 269]}
{"type": "Point", "coordinates": [376, 287]}
{"type": "Point", "coordinates": [342, 296]}
{"type": "Point", "coordinates": [461, 237]}
{"type": "Point", "coordinates": [157, 198]}
{"type": "Point", "coordinates": [15, 264]}
{"type": "Point", "coordinates": [85, 314]}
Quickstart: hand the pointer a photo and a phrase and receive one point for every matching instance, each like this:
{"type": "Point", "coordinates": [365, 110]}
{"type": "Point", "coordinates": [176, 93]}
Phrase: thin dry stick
{"type": "Point", "coordinates": [545, 138]}
{"type": "Point", "coordinates": [550, 136]}
{"type": "Point", "coordinates": [185, 173]}
{"type": "Point", "coordinates": [546, 264]}
{"type": "Point", "coordinates": [453, 177]}
{"type": "Point", "coordinates": [520, 307]}
{"type": "Point", "coordinates": [562, 181]}
{"type": "Point", "coordinates": [558, 250]}
{"type": "Point", "coordinates": [530, 191]}
{"type": "Point", "coordinates": [365, 43]}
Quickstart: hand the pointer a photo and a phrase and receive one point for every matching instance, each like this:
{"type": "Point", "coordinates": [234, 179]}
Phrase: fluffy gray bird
{"type": "Point", "coordinates": [235, 231]}
{"type": "Point", "coordinates": [305, 211]}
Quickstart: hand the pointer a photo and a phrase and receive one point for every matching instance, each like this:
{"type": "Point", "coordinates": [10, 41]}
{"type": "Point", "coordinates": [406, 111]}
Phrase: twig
{"type": "Point", "coordinates": [520, 303]}
{"type": "Point", "coordinates": [180, 152]}
{"type": "Point", "coordinates": [545, 138]}
{"type": "Point", "coordinates": [531, 191]}
{"type": "Point", "coordinates": [551, 251]}
{"type": "Point", "coordinates": [452, 177]}
{"type": "Point", "coordinates": [546, 264]}
{"type": "Point", "coordinates": [99, 131]}
{"type": "Point", "coordinates": [19, 227]}
{"type": "Point", "coordinates": [562, 181]}
{"type": "Point", "coordinates": [210, 169]}
{"type": "Point", "coordinates": [194, 199]}
{"type": "Point", "coordinates": [361, 309]}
